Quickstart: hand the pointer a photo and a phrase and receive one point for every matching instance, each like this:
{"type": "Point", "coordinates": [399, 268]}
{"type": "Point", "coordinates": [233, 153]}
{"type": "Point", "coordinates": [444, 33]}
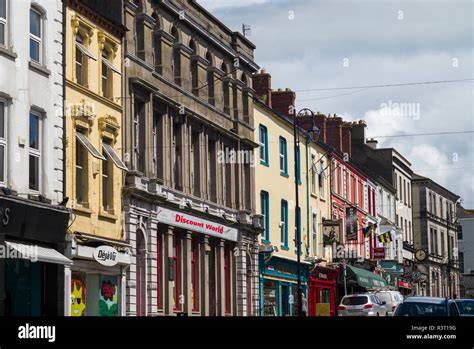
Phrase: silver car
{"type": "Point", "coordinates": [391, 298]}
{"type": "Point", "coordinates": [362, 304]}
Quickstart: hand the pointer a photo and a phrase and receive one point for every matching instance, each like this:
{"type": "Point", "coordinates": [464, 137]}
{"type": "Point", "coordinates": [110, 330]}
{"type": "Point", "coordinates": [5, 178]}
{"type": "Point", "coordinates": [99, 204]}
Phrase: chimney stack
{"type": "Point", "coordinates": [262, 84]}
{"type": "Point", "coordinates": [282, 100]}
{"type": "Point", "coordinates": [334, 132]}
{"type": "Point", "coordinates": [358, 132]}
{"type": "Point", "coordinates": [346, 138]}
{"type": "Point", "coordinates": [371, 142]}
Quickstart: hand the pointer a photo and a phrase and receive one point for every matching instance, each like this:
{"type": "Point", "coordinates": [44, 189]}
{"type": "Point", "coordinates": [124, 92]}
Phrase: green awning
{"type": "Point", "coordinates": [364, 278]}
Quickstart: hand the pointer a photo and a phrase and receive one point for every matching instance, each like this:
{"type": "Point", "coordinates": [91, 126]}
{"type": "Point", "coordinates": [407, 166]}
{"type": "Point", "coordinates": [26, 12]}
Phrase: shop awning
{"type": "Point", "coordinates": [38, 253]}
{"type": "Point", "coordinates": [364, 278]}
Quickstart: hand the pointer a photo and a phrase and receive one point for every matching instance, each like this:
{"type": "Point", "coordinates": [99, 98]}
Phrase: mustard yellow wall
{"type": "Point", "coordinates": [102, 118]}
{"type": "Point", "coordinates": [279, 187]}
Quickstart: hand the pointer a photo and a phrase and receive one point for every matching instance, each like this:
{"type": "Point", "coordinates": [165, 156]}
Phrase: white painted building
{"type": "Point", "coordinates": [31, 89]}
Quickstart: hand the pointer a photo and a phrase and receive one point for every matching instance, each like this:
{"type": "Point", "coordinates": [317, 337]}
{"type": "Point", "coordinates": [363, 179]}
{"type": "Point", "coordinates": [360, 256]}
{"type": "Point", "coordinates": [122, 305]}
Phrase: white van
{"type": "Point", "coordinates": [391, 298]}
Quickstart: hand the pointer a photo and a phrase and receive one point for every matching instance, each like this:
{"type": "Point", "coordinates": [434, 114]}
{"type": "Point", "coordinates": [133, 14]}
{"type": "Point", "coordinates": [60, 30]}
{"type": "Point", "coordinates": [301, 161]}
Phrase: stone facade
{"type": "Point", "coordinates": [188, 110]}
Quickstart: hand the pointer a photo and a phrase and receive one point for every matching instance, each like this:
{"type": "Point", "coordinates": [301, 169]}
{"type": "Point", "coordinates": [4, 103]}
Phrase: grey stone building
{"type": "Point", "coordinates": [466, 251]}
{"type": "Point", "coordinates": [436, 232]}
{"type": "Point", "coordinates": [188, 141]}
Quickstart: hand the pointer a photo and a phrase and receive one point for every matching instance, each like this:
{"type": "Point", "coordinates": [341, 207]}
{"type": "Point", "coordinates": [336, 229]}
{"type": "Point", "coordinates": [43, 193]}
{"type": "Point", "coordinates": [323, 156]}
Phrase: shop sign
{"type": "Point", "coordinates": [404, 284]}
{"type": "Point", "coordinates": [330, 231]}
{"type": "Point", "coordinates": [186, 221]}
{"type": "Point", "coordinates": [106, 255]}
{"type": "Point", "coordinates": [323, 309]}
{"type": "Point", "coordinates": [379, 252]}
{"type": "Point", "coordinates": [351, 224]}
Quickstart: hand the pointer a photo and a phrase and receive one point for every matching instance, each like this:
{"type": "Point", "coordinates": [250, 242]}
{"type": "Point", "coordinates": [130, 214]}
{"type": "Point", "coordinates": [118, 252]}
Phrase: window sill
{"type": "Point", "coordinates": [264, 163]}
{"type": "Point", "coordinates": [107, 216]}
{"type": "Point", "coordinates": [83, 210]}
{"type": "Point", "coordinates": [41, 69]}
{"type": "Point", "coordinates": [8, 53]}
{"type": "Point", "coordinates": [285, 248]}
{"type": "Point", "coordinates": [284, 175]}
{"type": "Point", "coordinates": [266, 242]}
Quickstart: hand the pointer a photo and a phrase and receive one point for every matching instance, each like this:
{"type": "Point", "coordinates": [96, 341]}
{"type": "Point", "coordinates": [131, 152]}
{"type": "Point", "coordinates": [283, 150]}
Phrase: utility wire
{"type": "Point", "coordinates": [385, 85]}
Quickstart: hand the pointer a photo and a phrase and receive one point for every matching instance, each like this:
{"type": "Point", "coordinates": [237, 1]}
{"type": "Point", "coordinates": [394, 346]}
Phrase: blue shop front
{"type": "Point", "coordinates": [278, 279]}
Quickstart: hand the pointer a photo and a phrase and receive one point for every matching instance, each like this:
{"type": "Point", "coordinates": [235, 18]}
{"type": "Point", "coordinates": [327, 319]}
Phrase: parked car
{"type": "Point", "coordinates": [466, 307]}
{"type": "Point", "coordinates": [427, 306]}
{"type": "Point", "coordinates": [391, 298]}
{"type": "Point", "coordinates": [361, 304]}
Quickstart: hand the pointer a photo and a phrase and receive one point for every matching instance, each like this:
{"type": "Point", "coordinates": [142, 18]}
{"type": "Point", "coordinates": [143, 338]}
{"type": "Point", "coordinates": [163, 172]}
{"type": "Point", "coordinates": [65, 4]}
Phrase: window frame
{"type": "Point", "coordinates": [262, 130]}
{"type": "Point", "coordinates": [4, 22]}
{"type": "Point", "coordinates": [265, 212]}
{"type": "Point", "coordinates": [177, 273]}
{"type": "Point", "coordinates": [322, 179]}
{"type": "Point", "coordinates": [315, 236]}
{"type": "Point", "coordinates": [38, 39]}
{"type": "Point", "coordinates": [84, 170]}
{"type": "Point", "coordinates": [107, 180]}
{"type": "Point", "coordinates": [314, 172]}
{"type": "Point", "coordinates": [284, 223]}
{"type": "Point", "coordinates": [283, 156]}
{"type": "Point", "coordinates": [35, 152]}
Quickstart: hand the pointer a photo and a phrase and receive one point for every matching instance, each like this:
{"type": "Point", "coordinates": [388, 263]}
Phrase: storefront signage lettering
{"type": "Point", "coordinates": [106, 255]}
{"type": "Point", "coordinates": [5, 214]}
{"type": "Point", "coordinates": [186, 221]}
{"type": "Point", "coordinates": [351, 223]}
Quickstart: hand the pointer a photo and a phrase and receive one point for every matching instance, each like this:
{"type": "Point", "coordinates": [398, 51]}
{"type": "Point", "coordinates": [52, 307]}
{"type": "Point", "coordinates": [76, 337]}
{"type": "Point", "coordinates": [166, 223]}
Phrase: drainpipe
{"type": "Point", "coordinates": [307, 201]}
{"type": "Point", "coordinates": [64, 96]}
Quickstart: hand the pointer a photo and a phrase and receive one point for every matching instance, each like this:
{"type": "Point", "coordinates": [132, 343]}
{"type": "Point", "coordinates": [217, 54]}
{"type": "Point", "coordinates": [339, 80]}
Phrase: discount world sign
{"type": "Point", "coordinates": [190, 222]}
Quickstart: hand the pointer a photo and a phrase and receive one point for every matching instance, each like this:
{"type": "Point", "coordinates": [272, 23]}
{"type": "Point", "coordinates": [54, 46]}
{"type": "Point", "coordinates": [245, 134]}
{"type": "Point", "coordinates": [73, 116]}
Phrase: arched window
{"type": "Point", "coordinates": [225, 88]}
{"type": "Point", "coordinates": [210, 80]}
{"type": "Point", "coordinates": [141, 282]}
{"type": "Point", "coordinates": [194, 68]}
{"type": "Point", "coordinates": [176, 57]}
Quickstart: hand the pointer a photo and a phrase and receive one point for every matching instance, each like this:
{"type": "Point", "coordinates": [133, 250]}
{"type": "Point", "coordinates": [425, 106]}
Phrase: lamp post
{"type": "Point", "coordinates": [314, 134]}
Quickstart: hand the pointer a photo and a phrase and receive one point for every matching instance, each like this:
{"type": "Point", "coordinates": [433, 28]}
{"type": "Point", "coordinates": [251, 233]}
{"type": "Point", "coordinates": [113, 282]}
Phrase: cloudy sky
{"type": "Point", "coordinates": [320, 44]}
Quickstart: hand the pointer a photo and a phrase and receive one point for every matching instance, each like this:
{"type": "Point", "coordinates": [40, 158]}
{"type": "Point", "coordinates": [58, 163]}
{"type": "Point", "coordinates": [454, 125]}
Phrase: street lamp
{"type": "Point", "coordinates": [313, 135]}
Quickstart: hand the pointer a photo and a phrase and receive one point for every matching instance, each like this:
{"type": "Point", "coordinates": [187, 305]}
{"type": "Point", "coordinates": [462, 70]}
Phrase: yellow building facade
{"type": "Point", "coordinates": [275, 191]}
{"type": "Point", "coordinates": [94, 169]}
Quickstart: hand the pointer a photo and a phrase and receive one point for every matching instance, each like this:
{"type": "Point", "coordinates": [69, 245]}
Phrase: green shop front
{"type": "Point", "coordinates": [279, 286]}
{"type": "Point", "coordinates": [356, 280]}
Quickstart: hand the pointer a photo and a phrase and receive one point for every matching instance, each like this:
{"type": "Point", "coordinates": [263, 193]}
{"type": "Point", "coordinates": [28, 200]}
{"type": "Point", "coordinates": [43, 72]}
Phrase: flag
{"type": "Point", "coordinates": [385, 237]}
{"type": "Point", "coordinates": [369, 229]}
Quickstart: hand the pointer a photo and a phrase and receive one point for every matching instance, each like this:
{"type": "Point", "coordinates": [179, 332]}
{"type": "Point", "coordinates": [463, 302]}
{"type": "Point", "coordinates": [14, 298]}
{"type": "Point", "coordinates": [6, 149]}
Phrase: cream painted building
{"type": "Point", "coordinates": [275, 200]}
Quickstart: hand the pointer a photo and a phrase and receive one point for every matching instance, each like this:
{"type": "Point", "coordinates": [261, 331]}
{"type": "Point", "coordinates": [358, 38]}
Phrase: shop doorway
{"type": "Point", "coordinates": [24, 288]}
{"type": "Point", "coordinates": [285, 304]}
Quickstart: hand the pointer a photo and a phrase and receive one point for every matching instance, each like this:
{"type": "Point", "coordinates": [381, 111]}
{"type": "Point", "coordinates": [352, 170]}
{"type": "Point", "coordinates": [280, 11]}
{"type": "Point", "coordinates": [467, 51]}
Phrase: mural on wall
{"type": "Point", "coordinates": [108, 296]}
{"type": "Point", "coordinates": [78, 296]}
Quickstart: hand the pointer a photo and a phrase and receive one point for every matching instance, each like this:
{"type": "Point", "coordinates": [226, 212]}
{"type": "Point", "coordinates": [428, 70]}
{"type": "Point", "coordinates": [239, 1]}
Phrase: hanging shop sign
{"type": "Point", "coordinates": [190, 222]}
{"type": "Point", "coordinates": [379, 253]}
{"type": "Point", "coordinates": [330, 231]}
{"type": "Point", "coordinates": [106, 255]}
{"type": "Point", "coordinates": [351, 224]}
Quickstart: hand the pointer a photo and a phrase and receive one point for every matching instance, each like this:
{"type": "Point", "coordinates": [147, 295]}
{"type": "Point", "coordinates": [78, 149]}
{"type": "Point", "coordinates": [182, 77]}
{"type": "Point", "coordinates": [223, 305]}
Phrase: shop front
{"type": "Point", "coordinates": [96, 282]}
{"type": "Point", "coordinates": [32, 263]}
{"type": "Point", "coordinates": [322, 292]}
{"type": "Point", "coordinates": [279, 286]}
{"type": "Point", "coordinates": [356, 280]}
